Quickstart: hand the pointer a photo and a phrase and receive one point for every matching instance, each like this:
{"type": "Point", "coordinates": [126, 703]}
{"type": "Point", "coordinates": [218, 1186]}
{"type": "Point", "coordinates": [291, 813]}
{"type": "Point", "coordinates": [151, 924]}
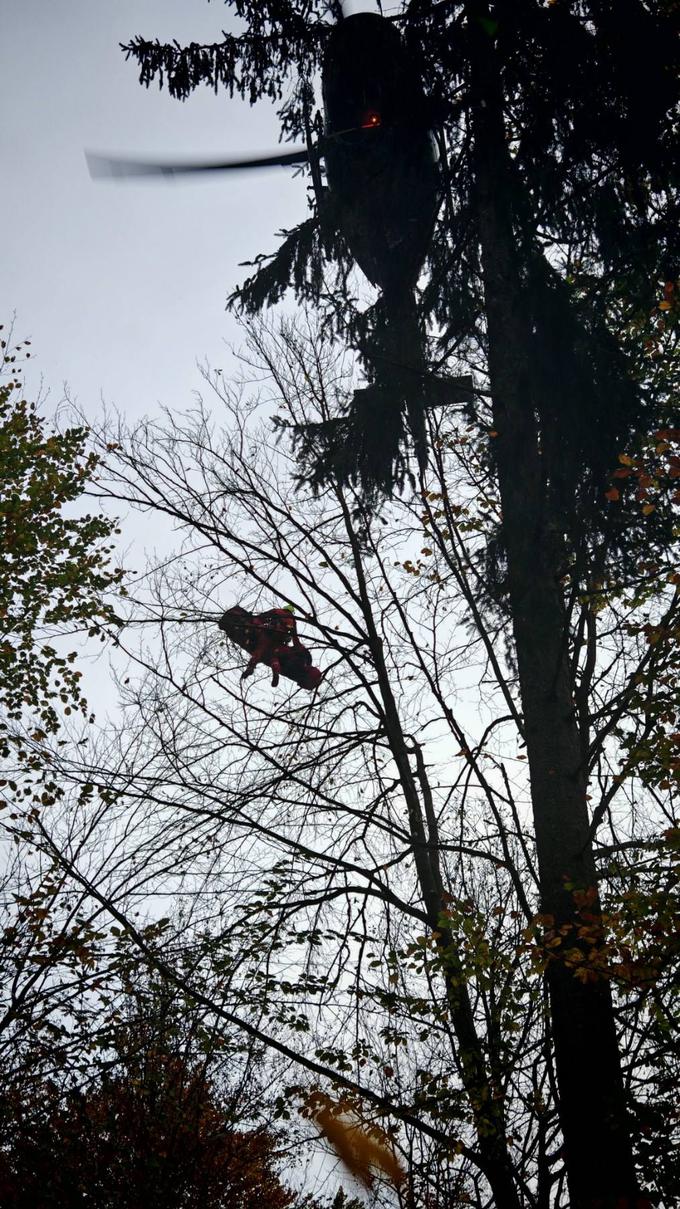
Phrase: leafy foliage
{"type": "Point", "coordinates": [151, 1131]}
{"type": "Point", "coordinates": [55, 568]}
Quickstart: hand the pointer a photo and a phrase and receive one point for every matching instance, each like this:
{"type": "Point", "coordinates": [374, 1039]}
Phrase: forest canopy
{"type": "Point", "coordinates": [427, 910]}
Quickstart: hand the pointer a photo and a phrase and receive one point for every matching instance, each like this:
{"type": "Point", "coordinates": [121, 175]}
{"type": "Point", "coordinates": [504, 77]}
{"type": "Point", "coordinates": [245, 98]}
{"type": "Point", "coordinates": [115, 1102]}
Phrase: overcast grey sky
{"type": "Point", "coordinates": [122, 287]}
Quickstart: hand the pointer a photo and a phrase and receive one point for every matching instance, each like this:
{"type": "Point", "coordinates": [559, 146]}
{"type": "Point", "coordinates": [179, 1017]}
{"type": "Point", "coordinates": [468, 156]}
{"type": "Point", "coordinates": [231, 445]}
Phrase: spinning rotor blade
{"type": "Point", "coordinates": [111, 168]}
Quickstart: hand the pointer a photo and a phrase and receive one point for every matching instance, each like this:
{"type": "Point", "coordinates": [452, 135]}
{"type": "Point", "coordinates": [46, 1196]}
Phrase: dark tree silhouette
{"type": "Point", "coordinates": [150, 1128]}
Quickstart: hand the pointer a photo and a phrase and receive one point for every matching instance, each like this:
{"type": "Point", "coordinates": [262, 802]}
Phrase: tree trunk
{"type": "Point", "coordinates": [486, 1099]}
{"type": "Point", "coordinates": [597, 1144]}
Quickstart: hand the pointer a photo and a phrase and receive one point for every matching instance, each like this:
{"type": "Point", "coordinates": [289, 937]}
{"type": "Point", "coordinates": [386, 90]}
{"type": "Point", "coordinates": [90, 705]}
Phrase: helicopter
{"type": "Point", "coordinates": [385, 190]}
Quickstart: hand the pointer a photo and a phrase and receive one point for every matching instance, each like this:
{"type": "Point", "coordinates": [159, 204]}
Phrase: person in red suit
{"type": "Point", "coordinates": [271, 638]}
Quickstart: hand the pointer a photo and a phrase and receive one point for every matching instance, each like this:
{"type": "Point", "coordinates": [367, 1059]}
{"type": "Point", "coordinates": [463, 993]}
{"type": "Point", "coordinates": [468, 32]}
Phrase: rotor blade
{"type": "Point", "coordinates": [112, 168]}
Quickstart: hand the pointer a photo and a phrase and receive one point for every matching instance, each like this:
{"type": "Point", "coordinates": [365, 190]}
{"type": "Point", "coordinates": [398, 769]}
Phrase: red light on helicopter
{"type": "Point", "coordinates": [370, 119]}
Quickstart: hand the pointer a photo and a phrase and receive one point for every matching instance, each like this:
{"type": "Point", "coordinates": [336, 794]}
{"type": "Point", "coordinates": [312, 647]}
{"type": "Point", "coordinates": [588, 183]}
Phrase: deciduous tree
{"type": "Point", "coordinates": [367, 896]}
{"type": "Point", "coordinates": [56, 581]}
{"type": "Point", "coordinates": [151, 1127]}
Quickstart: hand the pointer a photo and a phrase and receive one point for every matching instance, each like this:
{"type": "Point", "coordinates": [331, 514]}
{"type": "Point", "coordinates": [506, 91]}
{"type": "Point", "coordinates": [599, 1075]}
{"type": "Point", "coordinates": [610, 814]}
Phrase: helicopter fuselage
{"type": "Point", "coordinates": [379, 152]}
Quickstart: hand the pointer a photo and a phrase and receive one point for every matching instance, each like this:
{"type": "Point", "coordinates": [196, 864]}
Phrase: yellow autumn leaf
{"type": "Point", "coordinates": [359, 1149]}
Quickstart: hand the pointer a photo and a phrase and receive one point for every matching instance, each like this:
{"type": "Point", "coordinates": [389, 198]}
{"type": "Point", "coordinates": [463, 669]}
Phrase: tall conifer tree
{"type": "Point", "coordinates": [557, 232]}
